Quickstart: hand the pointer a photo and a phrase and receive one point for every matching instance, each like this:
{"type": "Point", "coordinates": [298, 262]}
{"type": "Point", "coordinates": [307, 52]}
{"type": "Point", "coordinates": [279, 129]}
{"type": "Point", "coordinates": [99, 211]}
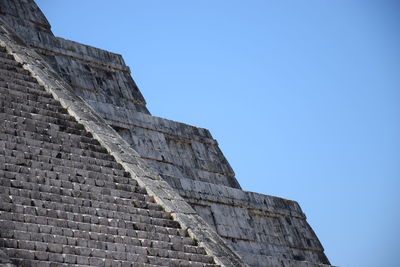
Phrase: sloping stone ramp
{"type": "Point", "coordinates": [65, 201]}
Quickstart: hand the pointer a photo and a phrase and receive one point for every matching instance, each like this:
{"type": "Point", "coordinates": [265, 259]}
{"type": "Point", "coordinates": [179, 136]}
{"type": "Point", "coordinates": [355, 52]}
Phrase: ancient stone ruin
{"type": "Point", "coordinates": [88, 177]}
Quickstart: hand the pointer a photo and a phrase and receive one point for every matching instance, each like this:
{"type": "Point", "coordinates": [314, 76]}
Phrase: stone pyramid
{"type": "Point", "coordinates": [88, 177]}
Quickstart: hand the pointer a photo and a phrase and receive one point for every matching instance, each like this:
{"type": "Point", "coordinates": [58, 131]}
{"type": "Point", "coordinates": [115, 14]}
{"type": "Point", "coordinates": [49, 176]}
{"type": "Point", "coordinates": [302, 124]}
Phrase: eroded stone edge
{"type": "Point", "coordinates": [124, 154]}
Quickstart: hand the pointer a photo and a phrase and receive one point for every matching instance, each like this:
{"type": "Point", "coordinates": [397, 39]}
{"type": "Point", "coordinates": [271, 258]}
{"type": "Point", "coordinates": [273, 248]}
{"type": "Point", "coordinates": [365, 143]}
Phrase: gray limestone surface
{"type": "Point", "coordinates": [263, 230]}
{"type": "Point", "coordinates": [56, 174]}
{"type": "Point", "coordinates": [65, 200]}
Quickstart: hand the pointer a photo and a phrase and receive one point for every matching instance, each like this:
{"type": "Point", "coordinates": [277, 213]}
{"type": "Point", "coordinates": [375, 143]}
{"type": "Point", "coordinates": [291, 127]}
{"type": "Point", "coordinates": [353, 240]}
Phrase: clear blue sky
{"type": "Point", "coordinates": [302, 96]}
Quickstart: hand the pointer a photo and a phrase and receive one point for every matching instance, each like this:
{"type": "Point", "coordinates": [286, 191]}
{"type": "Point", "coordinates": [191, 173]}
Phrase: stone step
{"type": "Point", "coordinates": [4, 54]}
{"type": "Point", "coordinates": [34, 152]}
{"type": "Point", "coordinates": [14, 75]}
{"type": "Point", "coordinates": [20, 82]}
{"type": "Point", "coordinates": [89, 230]}
{"type": "Point", "coordinates": [20, 158]}
{"type": "Point", "coordinates": [14, 113]}
{"type": "Point", "coordinates": [107, 263]}
{"type": "Point", "coordinates": [42, 162]}
{"type": "Point", "coordinates": [16, 72]}
{"type": "Point", "coordinates": [99, 225]}
{"type": "Point", "coordinates": [15, 96]}
{"type": "Point", "coordinates": [95, 248]}
{"type": "Point", "coordinates": [90, 240]}
{"type": "Point", "coordinates": [42, 154]}
{"type": "Point", "coordinates": [75, 204]}
{"type": "Point", "coordinates": [52, 193]}
{"type": "Point", "coordinates": [60, 138]}
{"type": "Point", "coordinates": [10, 62]}
{"type": "Point", "coordinates": [34, 107]}
{"type": "Point", "coordinates": [121, 237]}
{"type": "Point", "coordinates": [85, 184]}
{"type": "Point", "coordinates": [123, 199]}
{"type": "Point", "coordinates": [86, 213]}
{"type": "Point", "coordinates": [96, 209]}
{"type": "Point", "coordinates": [69, 180]}
{"type": "Point", "coordinates": [28, 257]}
{"type": "Point", "coordinates": [36, 89]}
{"type": "Point", "coordinates": [11, 171]}
{"type": "Point", "coordinates": [71, 196]}
{"type": "Point", "coordinates": [40, 101]}
{"type": "Point", "coordinates": [37, 123]}
{"type": "Point", "coordinates": [74, 149]}
{"type": "Point", "coordinates": [12, 66]}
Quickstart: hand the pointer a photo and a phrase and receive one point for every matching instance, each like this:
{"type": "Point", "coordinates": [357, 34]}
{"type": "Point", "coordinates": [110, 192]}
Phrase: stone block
{"type": "Point", "coordinates": [70, 259]}
{"type": "Point", "coordinates": [28, 245]}
{"type": "Point", "coordinates": [41, 255]}
{"type": "Point", "coordinates": [82, 260]}
{"type": "Point", "coordinates": [55, 248]}
{"type": "Point", "coordinates": [23, 254]}
{"type": "Point", "coordinates": [96, 262]}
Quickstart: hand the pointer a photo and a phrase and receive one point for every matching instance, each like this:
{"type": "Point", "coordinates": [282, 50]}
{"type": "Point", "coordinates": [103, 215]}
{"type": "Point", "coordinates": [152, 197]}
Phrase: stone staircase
{"type": "Point", "coordinates": [64, 199]}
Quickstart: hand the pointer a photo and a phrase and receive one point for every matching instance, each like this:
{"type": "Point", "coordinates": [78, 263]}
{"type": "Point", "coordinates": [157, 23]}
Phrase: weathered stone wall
{"type": "Point", "coordinates": [264, 230]}
{"type": "Point", "coordinates": [189, 159]}
{"type": "Point", "coordinates": [258, 227]}
{"type": "Point", "coordinates": [73, 192]}
{"type": "Point", "coordinates": [104, 81]}
{"type": "Point", "coordinates": [95, 74]}
{"type": "Point", "coordinates": [175, 149]}
{"type": "Point", "coordinates": [64, 199]}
